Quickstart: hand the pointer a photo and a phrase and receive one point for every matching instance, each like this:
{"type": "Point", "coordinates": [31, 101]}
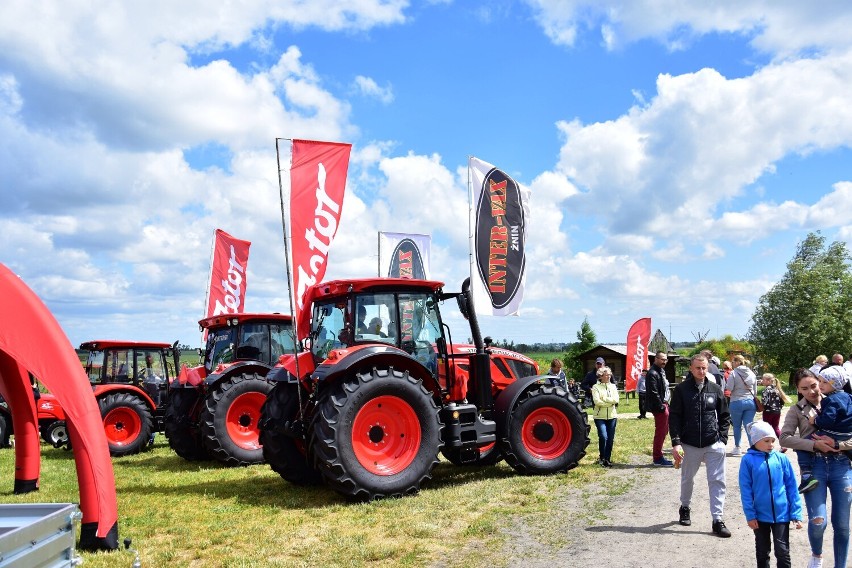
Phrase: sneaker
{"type": "Point", "coordinates": [684, 516]}
{"type": "Point", "coordinates": [737, 451]}
{"type": "Point", "coordinates": [815, 562]}
{"type": "Point", "coordinates": [719, 529]}
{"type": "Point", "coordinates": [663, 462]}
{"type": "Point", "coordinates": [808, 483]}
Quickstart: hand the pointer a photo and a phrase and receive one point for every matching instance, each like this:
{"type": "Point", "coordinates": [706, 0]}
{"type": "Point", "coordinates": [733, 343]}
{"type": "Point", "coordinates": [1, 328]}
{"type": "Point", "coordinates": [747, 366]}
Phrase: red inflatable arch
{"type": "Point", "coordinates": [32, 341]}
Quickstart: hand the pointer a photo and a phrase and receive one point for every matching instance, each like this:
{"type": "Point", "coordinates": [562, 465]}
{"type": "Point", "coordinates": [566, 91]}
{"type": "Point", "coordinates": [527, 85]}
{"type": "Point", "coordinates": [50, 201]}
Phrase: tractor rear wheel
{"type": "Point", "coordinates": [181, 424]}
{"type": "Point", "coordinates": [377, 435]}
{"type": "Point", "coordinates": [286, 455]}
{"type": "Point", "coordinates": [488, 455]}
{"type": "Point", "coordinates": [127, 422]}
{"type": "Point", "coordinates": [55, 433]}
{"type": "Point", "coordinates": [547, 432]}
{"type": "Point", "coordinates": [229, 420]}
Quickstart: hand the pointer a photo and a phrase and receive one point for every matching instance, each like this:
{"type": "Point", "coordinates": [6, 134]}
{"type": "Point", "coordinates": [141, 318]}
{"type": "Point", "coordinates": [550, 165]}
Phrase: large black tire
{"type": "Point", "coordinates": [229, 420]}
{"type": "Point", "coordinates": [55, 433]}
{"type": "Point", "coordinates": [488, 455]}
{"type": "Point", "coordinates": [181, 424]}
{"type": "Point", "coordinates": [547, 432]}
{"type": "Point", "coordinates": [5, 431]}
{"type": "Point", "coordinates": [127, 422]}
{"type": "Point", "coordinates": [377, 435]}
{"type": "Point", "coordinates": [286, 455]}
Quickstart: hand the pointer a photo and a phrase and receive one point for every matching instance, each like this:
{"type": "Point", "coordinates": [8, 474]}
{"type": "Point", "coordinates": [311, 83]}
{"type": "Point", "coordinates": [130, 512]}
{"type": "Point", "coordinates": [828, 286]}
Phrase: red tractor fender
{"type": "Point", "coordinates": [103, 390]}
{"type": "Point", "coordinates": [359, 358]}
{"type": "Point", "coordinates": [506, 400]}
{"type": "Point", "coordinates": [237, 368]}
{"type": "Point", "coordinates": [48, 408]}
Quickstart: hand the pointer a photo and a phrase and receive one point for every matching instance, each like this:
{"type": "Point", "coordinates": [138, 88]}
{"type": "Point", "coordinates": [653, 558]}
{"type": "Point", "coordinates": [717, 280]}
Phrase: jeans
{"type": "Point", "coordinates": [742, 413]}
{"type": "Point", "coordinates": [714, 457]}
{"type": "Point", "coordinates": [835, 476]}
{"type": "Point", "coordinates": [606, 436]}
{"type": "Point", "coordinates": [765, 534]}
{"type": "Point", "coordinates": [661, 430]}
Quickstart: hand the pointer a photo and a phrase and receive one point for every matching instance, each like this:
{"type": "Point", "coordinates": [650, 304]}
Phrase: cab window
{"type": "Point", "coordinates": [119, 366]}
{"type": "Point", "coordinates": [376, 318]}
{"type": "Point", "coordinates": [95, 366]}
{"type": "Point", "coordinates": [328, 328]}
{"type": "Point", "coordinates": [220, 348]}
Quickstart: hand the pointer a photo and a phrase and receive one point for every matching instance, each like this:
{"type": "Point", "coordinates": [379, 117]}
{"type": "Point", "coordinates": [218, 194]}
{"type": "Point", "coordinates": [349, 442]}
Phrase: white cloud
{"type": "Point", "coordinates": [778, 28]}
{"type": "Point", "coordinates": [369, 88]}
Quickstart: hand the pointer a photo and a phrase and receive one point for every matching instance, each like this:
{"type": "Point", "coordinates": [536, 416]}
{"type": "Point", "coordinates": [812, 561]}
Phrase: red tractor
{"type": "Point", "coordinates": [51, 420]}
{"type": "Point", "coordinates": [381, 391]}
{"type": "Point", "coordinates": [130, 380]}
{"type": "Point", "coordinates": [214, 408]}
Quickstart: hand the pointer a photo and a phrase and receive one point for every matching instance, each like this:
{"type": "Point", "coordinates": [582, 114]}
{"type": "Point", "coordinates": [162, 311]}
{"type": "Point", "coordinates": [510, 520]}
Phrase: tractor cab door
{"type": "Point", "coordinates": [420, 330]}
{"type": "Point", "coordinates": [152, 373]}
{"type": "Point", "coordinates": [119, 366]}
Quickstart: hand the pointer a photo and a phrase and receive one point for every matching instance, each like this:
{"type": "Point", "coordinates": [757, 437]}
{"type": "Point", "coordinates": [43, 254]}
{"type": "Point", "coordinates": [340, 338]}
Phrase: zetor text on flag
{"type": "Point", "coordinates": [499, 213]}
{"type": "Point", "coordinates": [637, 352]}
{"type": "Point", "coordinates": [227, 275]}
{"type": "Point", "coordinates": [317, 184]}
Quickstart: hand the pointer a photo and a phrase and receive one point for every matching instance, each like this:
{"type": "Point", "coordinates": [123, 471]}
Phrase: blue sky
{"type": "Point", "coordinates": [676, 153]}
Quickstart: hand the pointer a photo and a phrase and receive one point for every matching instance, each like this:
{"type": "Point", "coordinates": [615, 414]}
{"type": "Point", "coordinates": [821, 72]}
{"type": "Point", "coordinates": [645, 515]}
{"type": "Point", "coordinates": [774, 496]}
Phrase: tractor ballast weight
{"type": "Point", "coordinates": [367, 411]}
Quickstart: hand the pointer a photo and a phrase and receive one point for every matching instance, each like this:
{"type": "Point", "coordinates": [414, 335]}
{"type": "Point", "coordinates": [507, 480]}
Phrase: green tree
{"type": "Point", "coordinates": [586, 339]}
{"type": "Point", "coordinates": [809, 311]}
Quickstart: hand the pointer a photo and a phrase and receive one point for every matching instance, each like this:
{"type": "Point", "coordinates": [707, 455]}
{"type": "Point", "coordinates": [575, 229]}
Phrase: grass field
{"type": "Point", "coordinates": [181, 513]}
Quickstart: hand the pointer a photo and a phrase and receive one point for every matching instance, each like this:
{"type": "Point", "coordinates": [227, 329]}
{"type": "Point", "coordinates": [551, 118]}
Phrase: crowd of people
{"type": "Point", "coordinates": [717, 399]}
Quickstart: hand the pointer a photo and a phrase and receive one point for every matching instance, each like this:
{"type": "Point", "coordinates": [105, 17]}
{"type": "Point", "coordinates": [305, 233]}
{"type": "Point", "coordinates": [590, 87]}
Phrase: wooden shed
{"type": "Point", "coordinates": [615, 356]}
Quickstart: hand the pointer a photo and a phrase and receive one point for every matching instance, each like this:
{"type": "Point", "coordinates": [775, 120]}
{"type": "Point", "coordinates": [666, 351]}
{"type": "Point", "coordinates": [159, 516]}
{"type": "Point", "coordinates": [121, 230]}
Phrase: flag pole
{"type": "Point", "coordinates": [379, 248]}
{"type": "Point", "coordinates": [469, 223]}
{"type": "Point", "coordinates": [209, 279]}
{"type": "Point", "coordinates": [296, 345]}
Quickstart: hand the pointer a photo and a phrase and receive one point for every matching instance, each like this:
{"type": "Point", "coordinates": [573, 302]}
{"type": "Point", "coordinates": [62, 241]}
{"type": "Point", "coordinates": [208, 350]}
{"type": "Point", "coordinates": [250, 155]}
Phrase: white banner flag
{"type": "Point", "coordinates": [404, 255]}
{"type": "Point", "coordinates": [498, 214]}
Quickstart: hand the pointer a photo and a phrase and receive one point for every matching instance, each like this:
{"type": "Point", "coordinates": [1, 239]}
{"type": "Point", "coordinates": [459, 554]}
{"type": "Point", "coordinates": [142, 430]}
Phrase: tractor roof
{"type": "Point", "coordinates": [233, 319]}
{"type": "Point", "coordinates": [334, 288]}
{"type": "Point", "coordinates": [100, 344]}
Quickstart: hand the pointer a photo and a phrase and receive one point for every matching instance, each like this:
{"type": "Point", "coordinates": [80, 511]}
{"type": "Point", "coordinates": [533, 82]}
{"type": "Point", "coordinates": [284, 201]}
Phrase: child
{"type": "Point", "coordinates": [557, 373]}
{"type": "Point", "coordinates": [574, 388]}
{"type": "Point", "coordinates": [773, 399]}
{"type": "Point", "coordinates": [834, 419]}
{"type": "Point", "coordinates": [769, 495]}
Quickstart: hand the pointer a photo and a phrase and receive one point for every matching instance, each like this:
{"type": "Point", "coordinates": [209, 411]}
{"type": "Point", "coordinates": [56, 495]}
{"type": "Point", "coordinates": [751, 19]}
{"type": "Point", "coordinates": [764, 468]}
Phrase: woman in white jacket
{"type": "Point", "coordinates": [605, 397]}
{"type": "Point", "coordinates": [742, 382]}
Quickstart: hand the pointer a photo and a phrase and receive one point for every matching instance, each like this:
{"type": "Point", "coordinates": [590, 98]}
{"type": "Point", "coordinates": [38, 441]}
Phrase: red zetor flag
{"type": "Point", "coordinates": [637, 352]}
{"type": "Point", "coordinates": [317, 183]}
{"type": "Point", "coordinates": [227, 275]}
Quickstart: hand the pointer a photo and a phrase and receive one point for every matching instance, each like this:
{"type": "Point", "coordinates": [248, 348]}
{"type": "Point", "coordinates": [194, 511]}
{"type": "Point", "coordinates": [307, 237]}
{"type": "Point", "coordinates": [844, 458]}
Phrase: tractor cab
{"type": "Point", "coordinates": [404, 316]}
{"type": "Point", "coordinates": [149, 366]}
{"type": "Point", "coordinates": [232, 338]}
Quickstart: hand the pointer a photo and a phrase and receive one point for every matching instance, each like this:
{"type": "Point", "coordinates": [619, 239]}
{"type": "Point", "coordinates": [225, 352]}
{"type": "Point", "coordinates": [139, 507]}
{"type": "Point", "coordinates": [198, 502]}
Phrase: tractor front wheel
{"type": "Point", "coordinates": [55, 433]}
{"type": "Point", "coordinates": [229, 420]}
{"type": "Point", "coordinates": [181, 424]}
{"type": "Point", "coordinates": [377, 435]}
{"type": "Point", "coordinates": [286, 455]}
{"type": "Point", "coordinates": [127, 422]}
{"type": "Point", "coordinates": [547, 432]}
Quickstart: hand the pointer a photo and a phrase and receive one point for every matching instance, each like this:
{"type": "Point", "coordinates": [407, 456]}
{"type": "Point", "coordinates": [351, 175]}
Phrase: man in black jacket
{"type": "Point", "coordinates": [698, 424]}
{"type": "Point", "coordinates": [657, 401]}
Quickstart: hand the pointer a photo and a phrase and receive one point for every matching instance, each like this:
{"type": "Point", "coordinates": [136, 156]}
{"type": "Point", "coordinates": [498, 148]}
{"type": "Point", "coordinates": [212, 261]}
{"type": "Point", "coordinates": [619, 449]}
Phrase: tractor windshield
{"type": "Point", "coordinates": [95, 365]}
{"type": "Point", "coordinates": [220, 347]}
{"type": "Point", "coordinates": [328, 325]}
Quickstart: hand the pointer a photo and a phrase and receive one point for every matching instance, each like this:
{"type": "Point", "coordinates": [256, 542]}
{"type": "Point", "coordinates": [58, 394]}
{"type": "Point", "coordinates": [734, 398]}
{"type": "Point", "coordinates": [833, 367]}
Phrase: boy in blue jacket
{"type": "Point", "coordinates": [769, 495]}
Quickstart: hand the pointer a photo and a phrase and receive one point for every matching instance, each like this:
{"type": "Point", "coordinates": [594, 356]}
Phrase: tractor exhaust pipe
{"type": "Point", "coordinates": [479, 383]}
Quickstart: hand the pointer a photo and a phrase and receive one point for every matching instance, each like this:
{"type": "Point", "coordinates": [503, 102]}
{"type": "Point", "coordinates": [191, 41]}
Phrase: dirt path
{"type": "Point", "coordinates": [630, 519]}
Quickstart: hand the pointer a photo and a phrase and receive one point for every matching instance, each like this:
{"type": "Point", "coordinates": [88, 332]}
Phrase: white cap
{"type": "Point", "coordinates": [759, 430]}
